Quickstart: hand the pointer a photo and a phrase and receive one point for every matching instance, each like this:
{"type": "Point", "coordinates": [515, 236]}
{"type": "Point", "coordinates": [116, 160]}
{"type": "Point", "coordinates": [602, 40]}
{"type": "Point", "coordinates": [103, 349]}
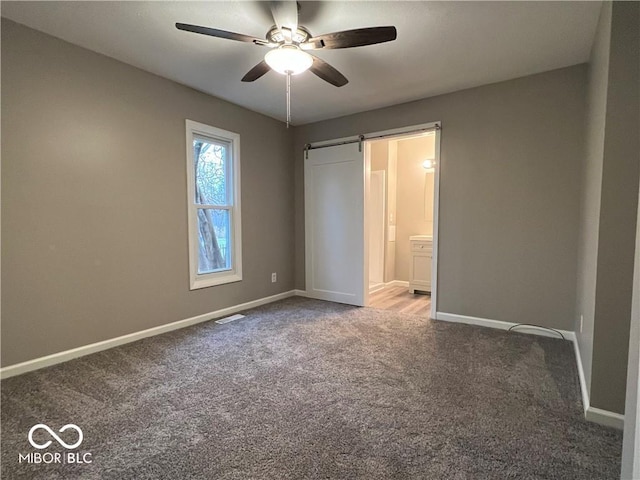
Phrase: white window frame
{"type": "Point", "coordinates": [235, 273]}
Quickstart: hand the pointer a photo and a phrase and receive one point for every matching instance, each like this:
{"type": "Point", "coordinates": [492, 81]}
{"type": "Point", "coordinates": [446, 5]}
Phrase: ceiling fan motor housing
{"type": "Point", "coordinates": [275, 35]}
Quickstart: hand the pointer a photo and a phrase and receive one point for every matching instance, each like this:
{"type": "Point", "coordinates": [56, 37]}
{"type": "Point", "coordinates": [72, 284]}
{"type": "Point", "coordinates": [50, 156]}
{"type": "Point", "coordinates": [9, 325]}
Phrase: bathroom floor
{"type": "Point", "coordinates": [398, 299]}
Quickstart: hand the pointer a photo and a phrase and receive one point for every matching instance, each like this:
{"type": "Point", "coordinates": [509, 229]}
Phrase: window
{"type": "Point", "coordinates": [213, 176]}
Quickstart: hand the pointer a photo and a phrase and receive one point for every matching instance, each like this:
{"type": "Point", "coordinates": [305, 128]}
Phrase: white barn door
{"type": "Point", "coordinates": [334, 182]}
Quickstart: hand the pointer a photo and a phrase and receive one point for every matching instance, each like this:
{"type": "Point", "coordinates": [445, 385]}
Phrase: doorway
{"type": "Point", "coordinates": [343, 253]}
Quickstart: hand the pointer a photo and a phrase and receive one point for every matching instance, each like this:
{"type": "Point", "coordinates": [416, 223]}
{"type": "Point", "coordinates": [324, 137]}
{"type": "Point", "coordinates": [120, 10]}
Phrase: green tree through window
{"type": "Point", "coordinates": [214, 214]}
{"type": "Point", "coordinates": [212, 193]}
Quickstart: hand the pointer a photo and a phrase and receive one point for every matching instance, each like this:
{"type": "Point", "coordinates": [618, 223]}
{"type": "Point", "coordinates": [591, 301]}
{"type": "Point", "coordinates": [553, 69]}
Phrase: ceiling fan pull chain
{"type": "Point", "coordinates": [288, 98]}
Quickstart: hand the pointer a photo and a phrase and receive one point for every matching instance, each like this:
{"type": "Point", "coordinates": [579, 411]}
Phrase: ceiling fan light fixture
{"type": "Point", "coordinates": [288, 59]}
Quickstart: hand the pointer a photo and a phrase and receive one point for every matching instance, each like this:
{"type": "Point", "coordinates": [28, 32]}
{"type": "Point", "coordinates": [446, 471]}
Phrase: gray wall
{"type": "Point", "coordinates": [609, 205]}
{"type": "Point", "coordinates": [618, 207]}
{"type": "Point", "coordinates": [598, 80]}
{"type": "Point", "coordinates": [631, 442]}
{"type": "Point", "coordinates": [94, 198]}
{"type": "Point", "coordinates": [511, 157]}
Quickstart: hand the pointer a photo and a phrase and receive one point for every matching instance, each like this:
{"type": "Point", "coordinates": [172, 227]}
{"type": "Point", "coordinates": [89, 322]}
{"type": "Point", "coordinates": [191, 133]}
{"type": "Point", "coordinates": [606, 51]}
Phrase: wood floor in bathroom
{"type": "Point", "coordinates": [398, 299]}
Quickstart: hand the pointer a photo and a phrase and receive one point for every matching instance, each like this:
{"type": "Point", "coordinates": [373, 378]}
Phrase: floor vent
{"type": "Point", "coordinates": [230, 319]}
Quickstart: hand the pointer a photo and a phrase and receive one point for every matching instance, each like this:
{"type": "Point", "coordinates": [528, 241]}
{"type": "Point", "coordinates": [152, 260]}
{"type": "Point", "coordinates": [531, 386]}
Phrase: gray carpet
{"type": "Point", "coordinates": [303, 389]}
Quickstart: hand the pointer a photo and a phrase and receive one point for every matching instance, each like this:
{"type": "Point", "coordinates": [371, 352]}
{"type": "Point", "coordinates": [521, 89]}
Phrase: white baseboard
{"type": "Point", "coordinates": [300, 293]}
{"type": "Point", "coordinates": [397, 283]}
{"type": "Point", "coordinates": [583, 379]}
{"type": "Point", "coordinates": [499, 324]}
{"type": "Point", "coordinates": [592, 414]}
{"type": "Point", "coordinates": [60, 357]}
{"type": "Point", "coordinates": [605, 417]}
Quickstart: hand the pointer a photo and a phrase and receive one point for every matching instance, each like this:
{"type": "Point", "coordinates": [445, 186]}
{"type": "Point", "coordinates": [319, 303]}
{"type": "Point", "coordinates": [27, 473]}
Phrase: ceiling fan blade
{"type": "Point", "coordinates": [214, 32]}
{"type": "Point", "coordinates": [285, 14]}
{"type": "Point", "coordinates": [327, 73]}
{"type": "Point", "coordinates": [352, 38]}
{"type": "Point", "coordinates": [256, 72]}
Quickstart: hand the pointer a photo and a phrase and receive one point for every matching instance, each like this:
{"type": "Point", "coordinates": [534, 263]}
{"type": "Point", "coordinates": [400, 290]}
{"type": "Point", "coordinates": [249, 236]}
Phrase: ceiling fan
{"type": "Point", "coordinates": [289, 44]}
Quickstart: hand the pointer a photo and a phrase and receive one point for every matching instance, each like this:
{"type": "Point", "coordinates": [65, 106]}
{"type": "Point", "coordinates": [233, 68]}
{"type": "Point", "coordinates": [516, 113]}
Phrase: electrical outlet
{"type": "Point", "coordinates": [581, 321]}
{"type": "Point", "coordinates": [274, 277]}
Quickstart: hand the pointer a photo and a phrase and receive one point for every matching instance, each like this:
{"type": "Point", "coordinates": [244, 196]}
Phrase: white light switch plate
{"type": "Point", "coordinates": [392, 233]}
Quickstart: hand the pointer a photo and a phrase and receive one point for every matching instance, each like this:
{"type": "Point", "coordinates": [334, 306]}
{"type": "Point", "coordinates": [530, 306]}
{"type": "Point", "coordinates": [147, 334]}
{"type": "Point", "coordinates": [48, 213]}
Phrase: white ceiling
{"type": "Point", "coordinates": [441, 46]}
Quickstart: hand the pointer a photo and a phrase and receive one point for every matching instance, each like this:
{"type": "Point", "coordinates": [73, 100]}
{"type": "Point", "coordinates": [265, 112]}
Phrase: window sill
{"type": "Point", "coordinates": [204, 281]}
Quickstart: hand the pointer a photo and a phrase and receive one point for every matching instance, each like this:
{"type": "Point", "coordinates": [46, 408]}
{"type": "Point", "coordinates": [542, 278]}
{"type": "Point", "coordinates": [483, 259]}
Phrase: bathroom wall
{"type": "Point", "coordinates": [378, 154]}
{"type": "Point", "coordinates": [409, 197]}
{"type": "Point", "coordinates": [383, 157]}
{"type": "Point", "coordinates": [414, 197]}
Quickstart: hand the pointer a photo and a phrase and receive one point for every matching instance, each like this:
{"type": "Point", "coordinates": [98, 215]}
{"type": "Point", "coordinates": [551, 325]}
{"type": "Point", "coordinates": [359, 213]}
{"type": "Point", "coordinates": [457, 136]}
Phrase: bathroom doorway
{"type": "Point", "coordinates": [402, 221]}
